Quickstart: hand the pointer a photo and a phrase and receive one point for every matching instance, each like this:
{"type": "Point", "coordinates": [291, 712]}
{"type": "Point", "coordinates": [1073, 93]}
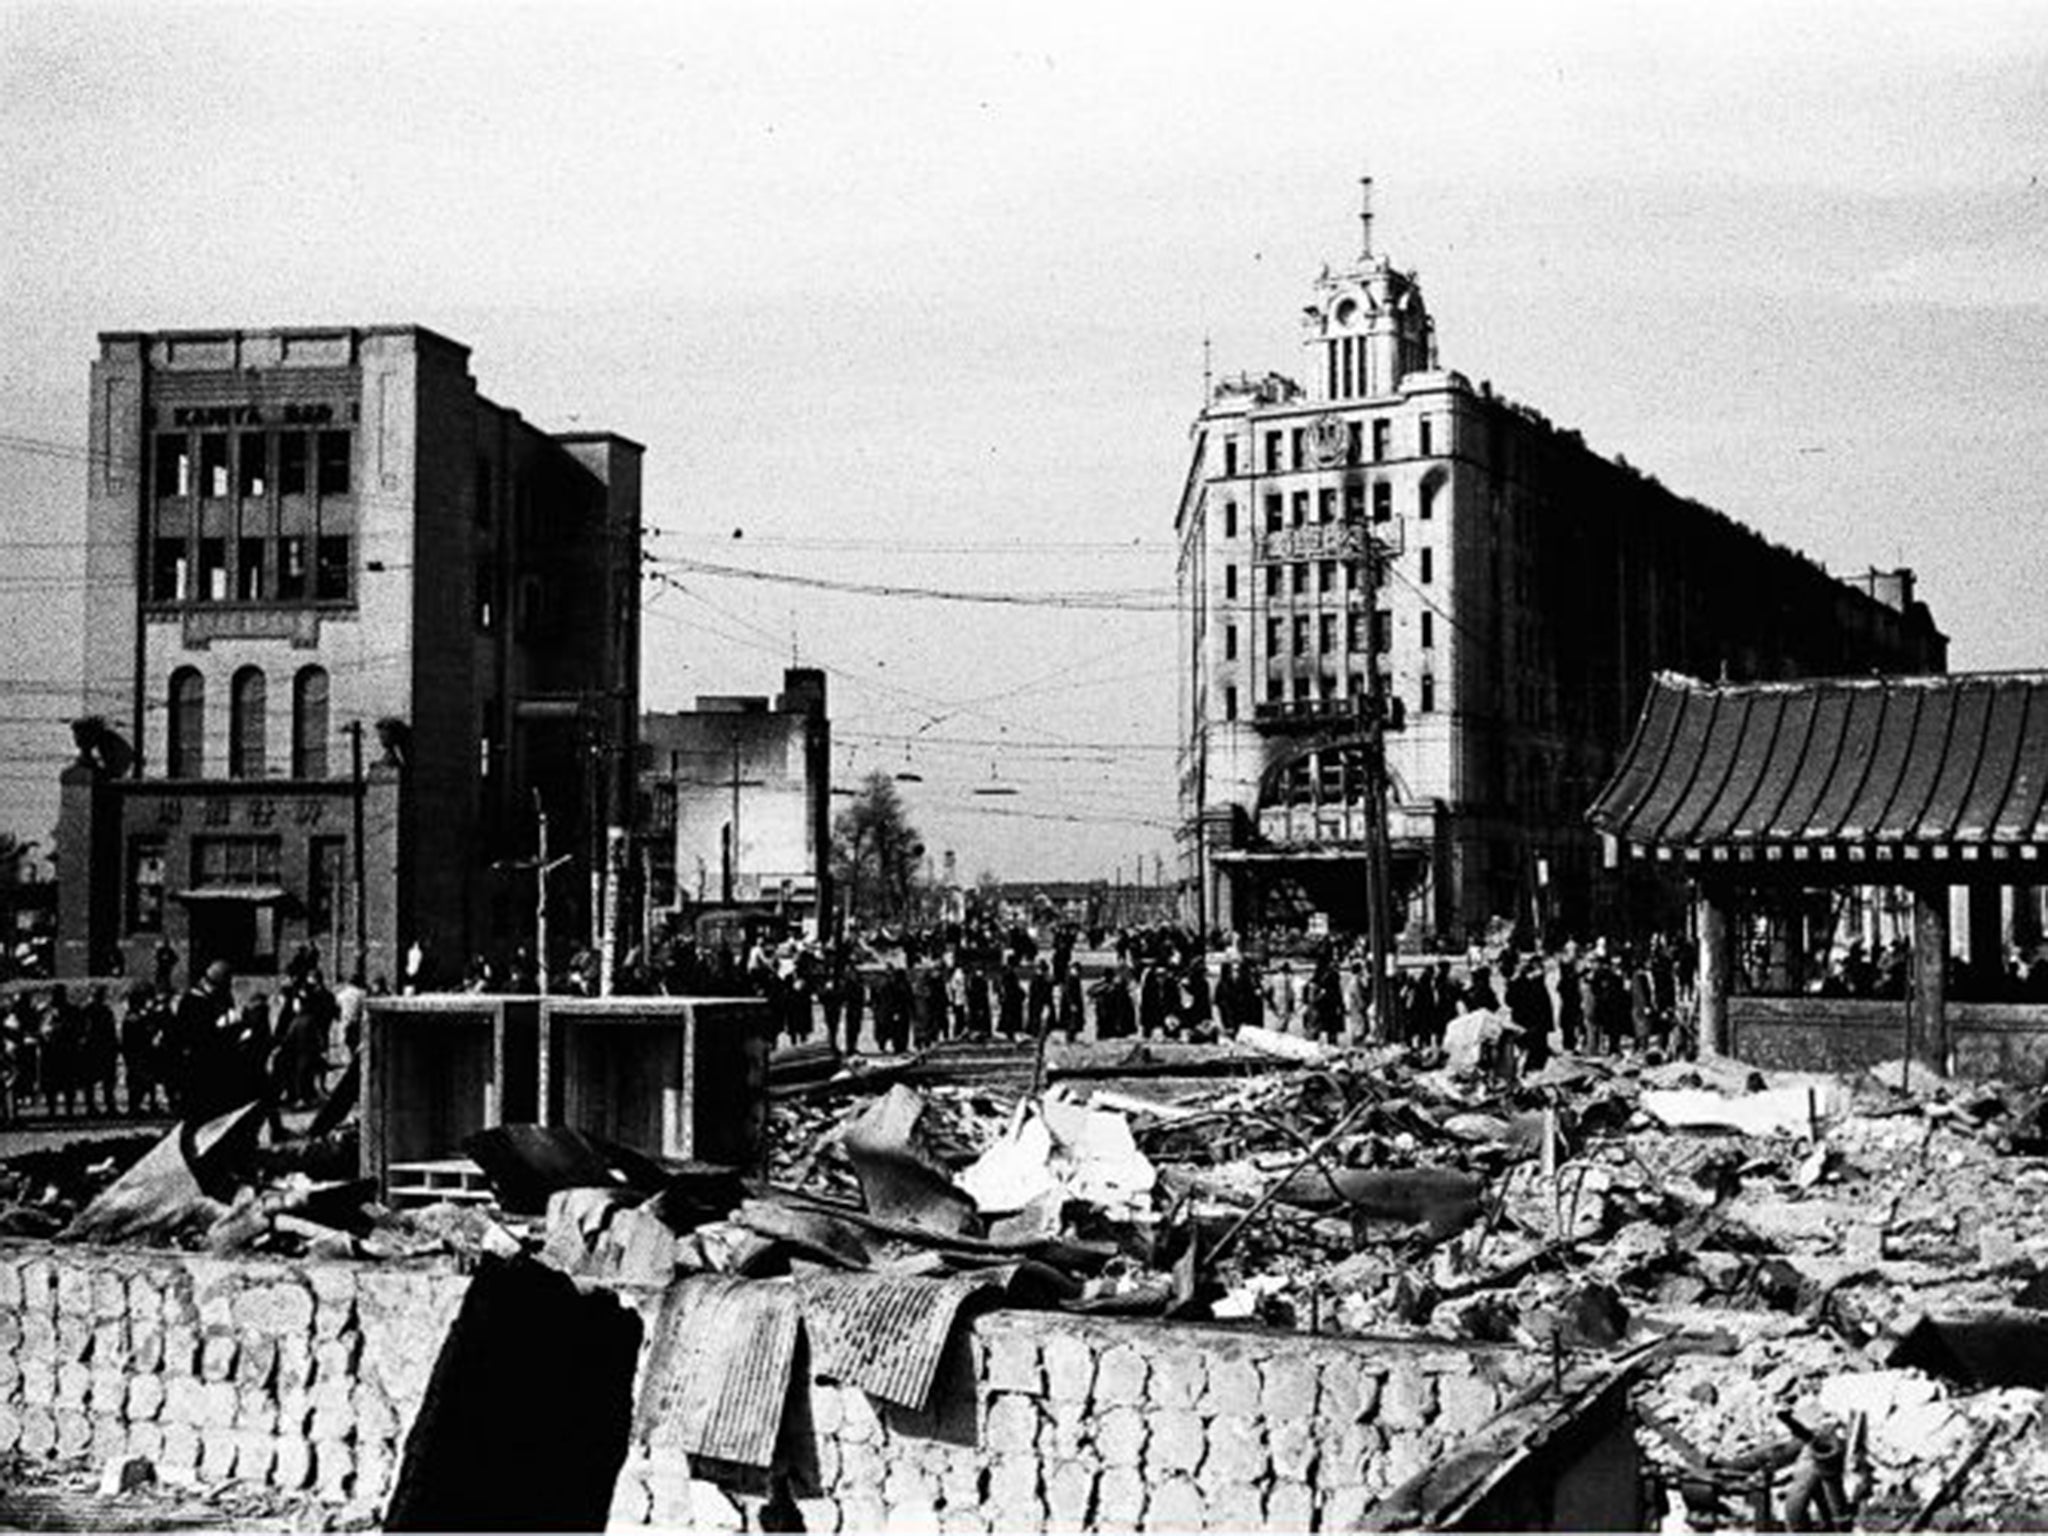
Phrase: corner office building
{"type": "Point", "coordinates": [294, 535]}
{"type": "Point", "coordinates": [1527, 592]}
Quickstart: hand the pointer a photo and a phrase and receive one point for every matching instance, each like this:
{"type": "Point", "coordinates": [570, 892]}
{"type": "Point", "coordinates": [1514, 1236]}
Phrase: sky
{"type": "Point", "coordinates": [917, 296]}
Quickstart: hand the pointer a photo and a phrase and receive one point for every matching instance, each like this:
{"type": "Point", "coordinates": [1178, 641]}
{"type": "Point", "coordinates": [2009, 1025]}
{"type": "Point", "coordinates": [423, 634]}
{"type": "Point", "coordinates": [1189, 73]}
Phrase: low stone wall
{"type": "Point", "coordinates": [305, 1376]}
{"type": "Point", "coordinates": [1845, 1034]}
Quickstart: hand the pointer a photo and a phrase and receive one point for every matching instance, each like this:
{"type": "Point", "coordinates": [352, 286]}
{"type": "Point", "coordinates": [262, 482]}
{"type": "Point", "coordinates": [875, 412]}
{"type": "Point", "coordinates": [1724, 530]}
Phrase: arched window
{"type": "Point", "coordinates": [309, 723]}
{"type": "Point", "coordinates": [185, 751]}
{"type": "Point", "coordinates": [245, 725]}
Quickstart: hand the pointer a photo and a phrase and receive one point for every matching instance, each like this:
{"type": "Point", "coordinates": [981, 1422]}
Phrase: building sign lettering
{"type": "Point", "coordinates": [1317, 541]}
{"type": "Point", "coordinates": [293, 414]}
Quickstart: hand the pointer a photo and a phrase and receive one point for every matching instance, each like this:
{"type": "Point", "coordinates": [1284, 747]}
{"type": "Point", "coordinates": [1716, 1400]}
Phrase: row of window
{"type": "Point", "coordinates": [1325, 689]}
{"type": "Point", "coordinates": [1324, 504]}
{"type": "Point", "coordinates": [292, 568]}
{"type": "Point", "coordinates": [248, 724]}
{"type": "Point", "coordinates": [1353, 636]}
{"type": "Point", "coordinates": [1296, 576]}
{"type": "Point", "coordinates": [234, 861]}
{"type": "Point", "coordinates": [211, 465]}
{"type": "Point", "coordinates": [1285, 450]}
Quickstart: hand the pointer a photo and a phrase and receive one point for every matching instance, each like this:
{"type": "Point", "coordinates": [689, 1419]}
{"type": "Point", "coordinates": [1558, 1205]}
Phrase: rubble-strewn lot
{"type": "Point", "coordinates": [1827, 1287]}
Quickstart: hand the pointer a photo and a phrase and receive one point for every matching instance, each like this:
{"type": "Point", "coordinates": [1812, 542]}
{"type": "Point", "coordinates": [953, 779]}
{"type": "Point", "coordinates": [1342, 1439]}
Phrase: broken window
{"type": "Point", "coordinates": [1272, 581]}
{"type": "Point", "coordinates": [169, 571]}
{"type": "Point", "coordinates": [1326, 636]}
{"type": "Point", "coordinates": [1326, 505]}
{"type": "Point", "coordinates": [334, 461]}
{"type": "Point", "coordinates": [213, 464]}
{"type": "Point", "coordinates": [1382, 502]}
{"type": "Point", "coordinates": [254, 465]}
{"type": "Point", "coordinates": [1273, 515]}
{"type": "Point", "coordinates": [291, 464]}
{"type": "Point", "coordinates": [1300, 508]}
{"type": "Point", "coordinates": [173, 465]}
{"type": "Point", "coordinates": [330, 579]}
{"type": "Point", "coordinates": [249, 570]}
{"type": "Point", "coordinates": [1354, 503]}
{"type": "Point", "coordinates": [1354, 447]}
{"type": "Point", "coordinates": [1299, 446]}
{"type": "Point", "coordinates": [1301, 634]}
{"type": "Point", "coordinates": [213, 570]}
{"type": "Point", "coordinates": [1327, 576]}
{"type": "Point", "coordinates": [1380, 432]}
{"type": "Point", "coordinates": [1300, 577]}
{"type": "Point", "coordinates": [1272, 453]}
{"type": "Point", "coordinates": [1273, 636]}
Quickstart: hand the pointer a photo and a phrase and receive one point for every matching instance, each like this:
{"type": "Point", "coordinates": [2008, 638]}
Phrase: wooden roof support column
{"type": "Point", "coordinates": [1927, 1011]}
{"type": "Point", "coordinates": [1714, 962]}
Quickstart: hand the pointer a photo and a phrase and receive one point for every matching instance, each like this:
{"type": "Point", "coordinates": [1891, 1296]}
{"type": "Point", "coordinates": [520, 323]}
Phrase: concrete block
{"type": "Point", "coordinates": [146, 1440]}
{"type": "Point", "coordinates": [1408, 1398]}
{"type": "Point", "coordinates": [335, 1359]}
{"type": "Point", "coordinates": [1011, 1361]}
{"type": "Point", "coordinates": [907, 1486]}
{"type": "Point", "coordinates": [38, 1431]}
{"type": "Point", "coordinates": [255, 1409]}
{"type": "Point", "coordinates": [1069, 1495]}
{"type": "Point", "coordinates": [10, 1332]}
{"type": "Point", "coordinates": [10, 1284]}
{"type": "Point", "coordinates": [859, 1424]}
{"type": "Point", "coordinates": [39, 1336]}
{"type": "Point", "coordinates": [1290, 1506]}
{"type": "Point", "coordinates": [39, 1285]}
{"type": "Point", "coordinates": [1407, 1454]}
{"type": "Point", "coordinates": [256, 1361]}
{"type": "Point", "coordinates": [1120, 1436]}
{"type": "Point", "coordinates": [294, 1412]}
{"type": "Point", "coordinates": [375, 1417]}
{"type": "Point", "coordinates": [959, 1471]}
{"type": "Point", "coordinates": [280, 1310]}
{"type": "Point", "coordinates": [146, 1349]}
{"type": "Point", "coordinates": [712, 1510]}
{"type": "Point", "coordinates": [1014, 1500]}
{"type": "Point", "coordinates": [110, 1344]}
{"type": "Point", "coordinates": [74, 1384]}
{"type": "Point", "coordinates": [827, 1451]}
{"type": "Point", "coordinates": [334, 1423]}
{"type": "Point", "coordinates": [1120, 1497]}
{"type": "Point", "coordinates": [109, 1294]}
{"type": "Point", "coordinates": [1292, 1445]}
{"type": "Point", "coordinates": [214, 1307]}
{"type": "Point", "coordinates": [74, 1432]}
{"type": "Point", "coordinates": [217, 1449]}
{"type": "Point", "coordinates": [145, 1299]}
{"type": "Point", "coordinates": [668, 1497]}
{"type": "Point", "coordinates": [74, 1290]}
{"type": "Point", "coordinates": [632, 1503]}
{"type": "Point", "coordinates": [1179, 1378]}
{"type": "Point", "coordinates": [862, 1465]}
{"type": "Point", "coordinates": [827, 1407]}
{"type": "Point", "coordinates": [1233, 1386]}
{"type": "Point", "coordinates": [334, 1469]}
{"type": "Point", "coordinates": [1236, 1452]}
{"type": "Point", "coordinates": [1348, 1390]}
{"type": "Point", "coordinates": [294, 1361]}
{"type": "Point", "coordinates": [1464, 1404]}
{"type": "Point", "coordinates": [10, 1429]}
{"type": "Point", "coordinates": [332, 1319]}
{"type": "Point", "coordinates": [377, 1468]}
{"type": "Point", "coordinates": [1346, 1453]}
{"type": "Point", "coordinates": [109, 1394]}
{"type": "Point", "coordinates": [292, 1469]}
{"type": "Point", "coordinates": [1175, 1505]}
{"type": "Point", "coordinates": [181, 1350]}
{"type": "Point", "coordinates": [183, 1399]}
{"type": "Point", "coordinates": [1288, 1388]}
{"type": "Point", "coordinates": [1344, 1508]}
{"type": "Point", "coordinates": [1067, 1432]}
{"type": "Point", "coordinates": [145, 1399]}
{"type": "Point", "coordinates": [1069, 1368]}
{"type": "Point", "coordinates": [1235, 1507]}
{"type": "Point", "coordinates": [218, 1404]}
{"type": "Point", "coordinates": [109, 1441]}
{"type": "Point", "coordinates": [1177, 1443]}
{"type": "Point", "coordinates": [1120, 1378]}
{"type": "Point", "coordinates": [330, 1283]}
{"type": "Point", "coordinates": [255, 1455]}
{"type": "Point", "coordinates": [74, 1336]}
{"type": "Point", "coordinates": [1011, 1427]}
{"type": "Point", "coordinates": [10, 1379]}
{"type": "Point", "coordinates": [39, 1383]}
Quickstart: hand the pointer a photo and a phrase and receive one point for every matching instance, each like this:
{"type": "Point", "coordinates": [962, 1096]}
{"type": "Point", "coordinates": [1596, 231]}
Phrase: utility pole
{"type": "Point", "coordinates": [542, 866]}
{"type": "Point", "coordinates": [733, 864]}
{"type": "Point", "coordinates": [355, 756]}
{"type": "Point", "coordinates": [1378, 875]}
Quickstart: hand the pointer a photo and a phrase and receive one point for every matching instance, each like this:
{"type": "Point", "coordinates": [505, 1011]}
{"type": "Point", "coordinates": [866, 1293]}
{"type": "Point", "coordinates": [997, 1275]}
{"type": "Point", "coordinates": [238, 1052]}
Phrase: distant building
{"type": "Point", "coordinates": [737, 798]}
{"type": "Point", "coordinates": [296, 535]}
{"type": "Point", "coordinates": [1531, 591]}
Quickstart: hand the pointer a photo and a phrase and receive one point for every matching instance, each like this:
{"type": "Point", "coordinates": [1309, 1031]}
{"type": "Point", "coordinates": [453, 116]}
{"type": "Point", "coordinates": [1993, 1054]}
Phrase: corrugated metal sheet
{"type": "Point", "coordinates": [885, 1333]}
{"type": "Point", "coordinates": [717, 1373]}
{"type": "Point", "coordinates": [1935, 762]}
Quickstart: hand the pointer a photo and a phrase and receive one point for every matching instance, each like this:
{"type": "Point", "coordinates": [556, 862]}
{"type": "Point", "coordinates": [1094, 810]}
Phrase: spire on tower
{"type": "Point", "coordinates": [1365, 218]}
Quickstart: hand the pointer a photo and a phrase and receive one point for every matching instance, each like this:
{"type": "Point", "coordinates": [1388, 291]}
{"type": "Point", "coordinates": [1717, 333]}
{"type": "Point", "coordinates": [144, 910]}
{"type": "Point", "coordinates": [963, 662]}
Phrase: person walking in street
{"type": "Point", "coordinates": [100, 1053]}
{"type": "Point", "coordinates": [141, 1027]}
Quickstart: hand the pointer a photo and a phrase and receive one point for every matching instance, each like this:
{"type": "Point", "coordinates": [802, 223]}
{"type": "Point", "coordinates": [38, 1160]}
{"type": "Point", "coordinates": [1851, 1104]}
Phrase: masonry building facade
{"type": "Point", "coordinates": [1514, 592]}
{"type": "Point", "coordinates": [315, 548]}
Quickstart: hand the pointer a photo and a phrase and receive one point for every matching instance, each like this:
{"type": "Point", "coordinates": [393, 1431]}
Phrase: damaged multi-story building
{"type": "Point", "coordinates": [1513, 590]}
{"type": "Point", "coordinates": [354, 628]}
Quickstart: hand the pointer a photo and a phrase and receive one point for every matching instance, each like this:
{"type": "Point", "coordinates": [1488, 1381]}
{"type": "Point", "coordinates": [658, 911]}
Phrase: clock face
{"type": "Point", "coordinates": [1327, 440]}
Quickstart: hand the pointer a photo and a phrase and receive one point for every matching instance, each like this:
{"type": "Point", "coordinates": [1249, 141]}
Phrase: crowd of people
{"type": "Point", "coordinates": [195, 1052]}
